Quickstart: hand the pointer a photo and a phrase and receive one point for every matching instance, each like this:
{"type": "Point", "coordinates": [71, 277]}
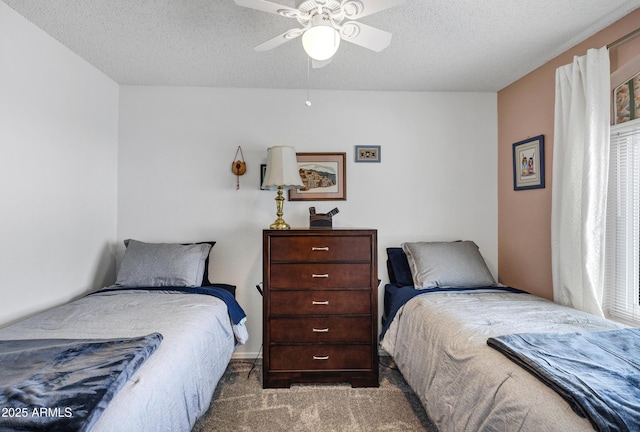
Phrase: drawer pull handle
{"type": "Point", "coordinates": [325, 248]}
{"type": "Point", "coordinates": [324, 330]}
{"type": "Point", "coordinates": [325, 275]}
{"type": "Point", "coordinates": [321, 357]}
{"type": "Point", "coordinates": [325, 302]}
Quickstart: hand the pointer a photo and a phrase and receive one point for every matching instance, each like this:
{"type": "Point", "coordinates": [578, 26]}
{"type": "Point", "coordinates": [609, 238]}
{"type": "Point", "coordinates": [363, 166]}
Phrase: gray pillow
{"type": "Point", "coordinates": [162, 265]}
{"type": "Point", "coordinates": [447, 264]}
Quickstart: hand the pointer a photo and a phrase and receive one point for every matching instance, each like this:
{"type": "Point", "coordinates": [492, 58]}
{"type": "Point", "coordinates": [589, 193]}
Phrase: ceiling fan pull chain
{"type": "Point", "coordinates": [308, 101]}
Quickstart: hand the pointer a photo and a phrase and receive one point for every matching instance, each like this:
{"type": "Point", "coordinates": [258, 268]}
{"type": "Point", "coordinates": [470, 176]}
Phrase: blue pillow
{"type": "Point", "coordinates": [398, 267]}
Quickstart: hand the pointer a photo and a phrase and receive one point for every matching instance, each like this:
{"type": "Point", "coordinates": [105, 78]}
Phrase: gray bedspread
{"type": "Point", "coordinates": [174, 386]}
{"type": "Point", "coordinates": [439, 342]}
{"type": "Point", "coordinates": [65, 384]}
{"type": "Point", "coordinates": [597, 373]}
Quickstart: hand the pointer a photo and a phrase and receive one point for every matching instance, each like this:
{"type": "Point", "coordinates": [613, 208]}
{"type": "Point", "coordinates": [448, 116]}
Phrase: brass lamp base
{"type": "Point", "coordinates": [279, 223]}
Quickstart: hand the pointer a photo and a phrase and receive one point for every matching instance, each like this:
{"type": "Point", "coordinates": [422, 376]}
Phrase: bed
{"type": "Point", "coordinates": [444, 338]}
{"type": "Point", "coordinates": [163, 299]}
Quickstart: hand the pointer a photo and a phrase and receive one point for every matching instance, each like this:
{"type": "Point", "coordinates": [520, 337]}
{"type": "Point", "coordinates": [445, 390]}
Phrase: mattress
{"type": "Point", "coordinates": [175, 385]}
{"type": "Point", "coordinates": [439, 343]}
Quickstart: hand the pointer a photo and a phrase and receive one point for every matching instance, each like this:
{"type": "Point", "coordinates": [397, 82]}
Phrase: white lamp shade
{"type": "Point", "coordinates": [321, 42]}
{"type": "Point", "coordinates": [282, 169]}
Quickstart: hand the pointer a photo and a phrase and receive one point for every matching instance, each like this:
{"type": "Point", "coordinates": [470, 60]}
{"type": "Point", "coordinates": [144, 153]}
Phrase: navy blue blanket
{"type": "Point", "coordinates": [221, 291]}
{"type": "Point", "coordinates": [65, 384]}
{"type": "Point", "coordinates": [395, 297]}
{"type": "Point", "coordinates": [597, 373]}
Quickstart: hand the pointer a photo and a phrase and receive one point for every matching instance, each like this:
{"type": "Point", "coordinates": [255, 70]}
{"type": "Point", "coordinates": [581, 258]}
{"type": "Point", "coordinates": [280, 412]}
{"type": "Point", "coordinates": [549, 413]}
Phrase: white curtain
{"type": "Point", "coordinates": [580, 171]}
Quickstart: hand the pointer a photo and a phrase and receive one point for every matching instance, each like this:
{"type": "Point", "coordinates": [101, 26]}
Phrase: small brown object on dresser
{"type": "Point", "coordinates": [320, 307]}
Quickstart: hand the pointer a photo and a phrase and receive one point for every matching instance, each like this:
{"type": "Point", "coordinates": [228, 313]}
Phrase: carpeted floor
{"type": "Point", "coordinates": [240, 404]}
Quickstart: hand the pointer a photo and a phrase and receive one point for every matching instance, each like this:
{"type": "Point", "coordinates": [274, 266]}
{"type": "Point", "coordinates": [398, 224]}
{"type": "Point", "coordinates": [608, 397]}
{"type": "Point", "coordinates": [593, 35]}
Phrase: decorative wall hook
{"type": "Point", "coordinates": [238, 166]}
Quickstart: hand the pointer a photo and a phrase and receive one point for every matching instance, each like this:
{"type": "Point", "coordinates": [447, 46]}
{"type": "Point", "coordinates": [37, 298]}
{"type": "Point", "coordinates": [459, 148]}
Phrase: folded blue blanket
{"type": "Point", "coordinates": [221, 291]}
{"type": "Point", "coordinates": [597, 373]}
{"type": "Point", "coordinates": [65, 384]}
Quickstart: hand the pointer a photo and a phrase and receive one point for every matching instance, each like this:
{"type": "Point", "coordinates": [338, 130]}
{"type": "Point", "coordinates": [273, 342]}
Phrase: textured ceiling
{"type": "Point", "coordinates": [437, 45]}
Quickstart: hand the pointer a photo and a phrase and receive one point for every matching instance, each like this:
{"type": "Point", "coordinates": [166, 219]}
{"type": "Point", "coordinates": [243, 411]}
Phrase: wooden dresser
{"type": "Point", "coordinates": [320, 307]}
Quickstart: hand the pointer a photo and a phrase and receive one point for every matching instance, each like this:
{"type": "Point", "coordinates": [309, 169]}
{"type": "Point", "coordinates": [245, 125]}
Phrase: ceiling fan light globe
{"type": "Point", "coordinates": [321, 42]}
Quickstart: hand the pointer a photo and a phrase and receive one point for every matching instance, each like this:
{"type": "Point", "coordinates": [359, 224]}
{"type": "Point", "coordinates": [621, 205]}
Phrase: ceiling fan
{"type": "Point", "coordinates": [324, 23]}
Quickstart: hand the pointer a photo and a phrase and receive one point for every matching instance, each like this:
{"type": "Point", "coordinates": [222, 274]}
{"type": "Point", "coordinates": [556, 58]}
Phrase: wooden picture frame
{"type": "Point", "coordinates": [324, 176]}
{"type": "Point", "coordinates": [528, 163]}
{"type": "Point", "coordinates": [368, 153]}
{"type": "Point", "coordinates": [263, 172]}
{"type": "Point", "coordinates": [626, 100]}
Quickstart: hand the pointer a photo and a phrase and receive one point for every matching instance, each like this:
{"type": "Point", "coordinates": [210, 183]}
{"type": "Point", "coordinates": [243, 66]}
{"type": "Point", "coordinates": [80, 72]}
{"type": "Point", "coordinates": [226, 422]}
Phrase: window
{"type": "Point", "coordinates": [622, 268]}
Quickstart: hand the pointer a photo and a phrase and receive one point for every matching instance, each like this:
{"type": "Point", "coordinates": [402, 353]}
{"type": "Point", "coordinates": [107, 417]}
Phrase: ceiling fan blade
{"type": "Point", "coordinates": [270, 7]}
{"type": "Point", "coordinates": [354, 9]}
{"type": "Point", "coordinates": [365, 36]}
{"type": "Point", "coordinates": [279, 40]}
{"type": "Point", "coordinates": [317, 64]}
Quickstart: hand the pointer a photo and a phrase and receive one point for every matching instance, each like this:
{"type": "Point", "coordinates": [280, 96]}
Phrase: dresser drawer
{"type": "Point", "coordinates": [321, 329]}
{"type": "Point", "coordinates": [320, 357]}
{"type": "Point", "coordinates": [320, 275]}
{"type": "Point", "coordinates": [316, 302]}
{"type": "Point", "coordinates": [321, 248]}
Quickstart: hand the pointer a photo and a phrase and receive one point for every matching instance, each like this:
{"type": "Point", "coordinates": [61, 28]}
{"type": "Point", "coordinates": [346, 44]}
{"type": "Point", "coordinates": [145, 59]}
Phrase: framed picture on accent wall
{"type": "Point", "coordinates": [626, 98]}
{"type": "Point", "coordinates": [528, 163]}
{"type": "Point", "coordinates": [324, 176]}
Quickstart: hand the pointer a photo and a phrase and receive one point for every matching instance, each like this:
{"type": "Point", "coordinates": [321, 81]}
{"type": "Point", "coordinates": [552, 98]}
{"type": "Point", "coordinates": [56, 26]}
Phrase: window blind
{"type": "Point", "coordinates": [622, 260]}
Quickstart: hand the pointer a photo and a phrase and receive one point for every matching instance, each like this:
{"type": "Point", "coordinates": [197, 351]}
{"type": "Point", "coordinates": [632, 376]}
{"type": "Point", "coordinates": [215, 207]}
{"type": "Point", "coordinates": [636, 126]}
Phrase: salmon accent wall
{"type": "Point", "coordinates": [525, 109]}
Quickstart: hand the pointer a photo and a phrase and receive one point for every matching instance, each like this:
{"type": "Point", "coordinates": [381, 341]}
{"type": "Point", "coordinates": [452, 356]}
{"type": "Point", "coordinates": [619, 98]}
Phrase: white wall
{"type": "Point", "coordinates": [58, 172]}
{"type": "Point", "coordinates": [437, 179]}
{"type": "Point", "coordinates": [72, 188]}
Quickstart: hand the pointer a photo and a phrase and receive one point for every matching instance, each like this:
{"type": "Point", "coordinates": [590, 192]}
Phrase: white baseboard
{"type": "Point", "coordinates": [246, 355]}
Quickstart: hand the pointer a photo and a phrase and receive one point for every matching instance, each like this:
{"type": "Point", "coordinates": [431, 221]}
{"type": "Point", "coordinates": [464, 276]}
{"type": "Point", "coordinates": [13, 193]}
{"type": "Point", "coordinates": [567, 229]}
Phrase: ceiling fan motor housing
{"type": "Point", "coordinates": [329, 9]}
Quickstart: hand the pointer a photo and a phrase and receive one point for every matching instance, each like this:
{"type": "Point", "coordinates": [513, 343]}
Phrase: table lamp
{"type": "Point", "coordinates": [282, 173]}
